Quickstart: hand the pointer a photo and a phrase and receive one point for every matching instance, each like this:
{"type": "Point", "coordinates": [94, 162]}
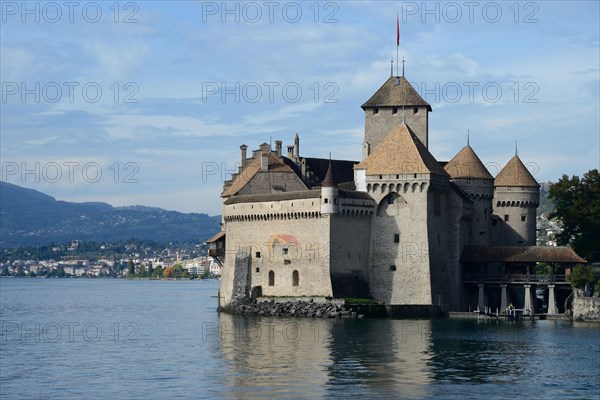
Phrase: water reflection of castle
{"type": "Point", "coordinates": [370, 358]}
{"type": "Point", "coordinates": [308, 358]}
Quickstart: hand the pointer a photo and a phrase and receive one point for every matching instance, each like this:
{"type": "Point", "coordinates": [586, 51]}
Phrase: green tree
{"type": "Point", "coordinates": [150, 269]}
{"type": "Point", "coordinates": [577, 207]}
{"type": "Point", "coordinates": [581, 275]}
{"type": "Point", "coordinates": [141, 271]}
{"type": "Point", "coordinates": [130, 267]}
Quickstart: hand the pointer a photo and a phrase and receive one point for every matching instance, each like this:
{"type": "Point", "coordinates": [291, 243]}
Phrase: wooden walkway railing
{"type": "Point", "coordinates": [517, 278]}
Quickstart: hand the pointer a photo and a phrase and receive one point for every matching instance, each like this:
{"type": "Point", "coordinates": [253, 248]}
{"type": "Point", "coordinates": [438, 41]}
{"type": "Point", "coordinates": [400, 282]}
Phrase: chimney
{"type": "Point", "coordinates": [278, 144]}
{"type": "Point", "coordinates": [296, 147]}
{"type": "Point", "coordinates": [290, 152]}
{"type": "Point", "coordinates": [243, 149]}
{"type": "Point", "coordinates": [264, 162]}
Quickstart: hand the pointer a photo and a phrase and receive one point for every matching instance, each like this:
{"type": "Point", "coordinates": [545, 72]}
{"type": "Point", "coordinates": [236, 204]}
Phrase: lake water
{"type": "Point", "coordinates": [120, 339]}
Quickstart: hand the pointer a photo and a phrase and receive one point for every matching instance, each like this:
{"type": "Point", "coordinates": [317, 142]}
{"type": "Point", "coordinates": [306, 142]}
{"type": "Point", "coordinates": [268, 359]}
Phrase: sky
{"type": "Point", "coordinates": [147, 102]}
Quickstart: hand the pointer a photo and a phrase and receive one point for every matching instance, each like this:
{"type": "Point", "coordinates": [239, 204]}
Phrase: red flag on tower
{"type": "Point", "coordinates": [397, 31]}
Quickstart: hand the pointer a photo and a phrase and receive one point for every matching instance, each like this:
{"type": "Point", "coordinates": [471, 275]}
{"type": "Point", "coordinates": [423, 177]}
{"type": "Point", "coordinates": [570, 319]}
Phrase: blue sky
{"type": "Point", "coordinates": [147, 102]}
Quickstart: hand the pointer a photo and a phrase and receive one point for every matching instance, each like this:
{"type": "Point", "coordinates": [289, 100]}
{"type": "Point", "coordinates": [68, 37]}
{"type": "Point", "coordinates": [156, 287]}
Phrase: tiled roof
{"type": "Point", "coordinates": [401, 152]}
{"type": "Point", "coordinates": [279, 196]}
{"type": "Point", "coordinates": [253, 168]}
{"type": "Point", "coordinates": [517, 254]}
{"type": "Point", "coordinates": [343, 169]}
{"type": "Point", "coordinates": [299, 195]}
{"type": "Point", "coordinates": [515, 173]}
{"type": "Point", "coordinates": [466, 164]}
{"type": "Point", "coordinates": [394, 95]}
{"type": "Point", "coordinates": [329, 181]}
{"type": "Point", "coordinates": [216, 237]}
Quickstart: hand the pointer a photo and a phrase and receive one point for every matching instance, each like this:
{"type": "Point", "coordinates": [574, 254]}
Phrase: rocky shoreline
{"type": "Point", "coordinates": [308, 309]}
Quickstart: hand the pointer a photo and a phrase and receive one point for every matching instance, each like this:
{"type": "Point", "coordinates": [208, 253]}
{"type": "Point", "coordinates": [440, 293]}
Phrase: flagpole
{"type": "Point", "coordinates": [397, 60]}
{"type": "Point", "coordinates": [397, 41]}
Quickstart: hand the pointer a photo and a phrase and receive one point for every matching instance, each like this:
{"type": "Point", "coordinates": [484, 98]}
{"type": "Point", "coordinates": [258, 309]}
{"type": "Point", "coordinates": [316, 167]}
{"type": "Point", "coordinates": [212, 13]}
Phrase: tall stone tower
{"type": "Point", "coordinates": [394, 103]}
{"type": "Point", "coordinates": [408, 185]}
{"type": "Point", "coordinates": [516, 198]}
{"type": "Point", "coordinates": [469, 173]}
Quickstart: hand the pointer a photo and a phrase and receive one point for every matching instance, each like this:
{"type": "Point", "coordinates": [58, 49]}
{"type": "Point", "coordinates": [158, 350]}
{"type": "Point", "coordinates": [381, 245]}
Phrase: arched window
{"type": "Point", "coordinates": [295, 278]}
{"type": "Point", "coordinates": [271, 278]}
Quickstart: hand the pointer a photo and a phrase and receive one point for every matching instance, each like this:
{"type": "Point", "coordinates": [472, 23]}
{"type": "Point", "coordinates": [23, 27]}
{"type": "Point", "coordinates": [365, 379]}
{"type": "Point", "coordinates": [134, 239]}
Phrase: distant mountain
{"type": "Point", "coordinates": [29, 217]}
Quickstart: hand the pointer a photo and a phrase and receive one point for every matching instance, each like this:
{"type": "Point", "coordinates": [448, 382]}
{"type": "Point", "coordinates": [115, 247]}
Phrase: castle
{"type": "Point", "coordinates": [399, 226]}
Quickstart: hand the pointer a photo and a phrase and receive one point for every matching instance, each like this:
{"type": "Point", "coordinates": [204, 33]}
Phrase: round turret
{"type": "Point", "coordinates": [516, 198]}
{"type": "Point", "coordinates": [468, 172]}
{"type": "Point", "coordinates": [329, 194]}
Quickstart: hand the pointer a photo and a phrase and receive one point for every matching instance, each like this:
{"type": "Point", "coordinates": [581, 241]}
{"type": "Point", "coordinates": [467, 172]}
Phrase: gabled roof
{"type": "Point", "coordinates": [253, 168]}
{"type": "Point", "coordinates": [515, 173]}
{"type": "Point", "coordinates": [401, 152]}
{"type": "Point", "coordinates": [396, 92]}
{"type": "Point", "coordinates": [466, 164]}
{"type": "Point", "coordinates": [518, 254]}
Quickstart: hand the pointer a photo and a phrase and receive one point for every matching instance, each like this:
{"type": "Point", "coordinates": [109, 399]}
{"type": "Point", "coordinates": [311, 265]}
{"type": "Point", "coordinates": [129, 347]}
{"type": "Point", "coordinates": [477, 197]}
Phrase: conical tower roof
{"type": "Point", "coordinates": [329, 181]}
{"type": "Point", "coordinates": [467, 165]}
{"type": "Point", "coordinates": [401, 152]}
{"type": "Point", "coordinates": [515, 173]}
{"type": "Point", "coordinates": [396, 92]}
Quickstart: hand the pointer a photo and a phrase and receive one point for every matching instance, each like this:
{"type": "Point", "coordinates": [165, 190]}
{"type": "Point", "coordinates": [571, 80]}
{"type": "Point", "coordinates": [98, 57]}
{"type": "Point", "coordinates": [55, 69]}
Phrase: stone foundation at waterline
{"type": "Point", "coordinates": [586, 308]}
{"type": "Point", "coordinates": [293, 308]}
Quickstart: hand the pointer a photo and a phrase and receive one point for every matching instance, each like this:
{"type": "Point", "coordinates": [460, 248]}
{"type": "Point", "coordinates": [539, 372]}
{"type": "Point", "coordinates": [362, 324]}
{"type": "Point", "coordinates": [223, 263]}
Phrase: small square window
{"type": "Point", "coordinates": [506, 217]}
{"type": "Point", "coordinates": [392, 267]}
{"type": "Point", "coordinates": [257, 269]}
{"type": "Point", "coordinates": [286, 262]}
{"type": "Point", "coordinates": [396, 238]}
{"type": "Point", "coordinates": [415, 110]}
{"type": "Point", "coordinates": [284, 251]}
{"type": "Point", "coordinates": [394, 111]}
{"type": "Point", "coordinates": [257, 255]}
{"type": "Point", "coordinates": [523, 218]}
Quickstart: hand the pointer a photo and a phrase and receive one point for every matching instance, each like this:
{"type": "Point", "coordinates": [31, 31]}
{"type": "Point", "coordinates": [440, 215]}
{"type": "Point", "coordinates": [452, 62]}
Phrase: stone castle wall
{"type": "Point", "coordinates": [586, 308]}
{"type": "Point", "coordinates": [445, 245]}
{"type": "Point", "coordinates": [278, 242]}
{"type": "Point", "coordinates": [399, 260]}
{"type": "Point", "coordinates": [519, 205]}
{"type": "Point", "coordinates": [379, 125]}
{"type": "Point", "coordinates": [350, 236]}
